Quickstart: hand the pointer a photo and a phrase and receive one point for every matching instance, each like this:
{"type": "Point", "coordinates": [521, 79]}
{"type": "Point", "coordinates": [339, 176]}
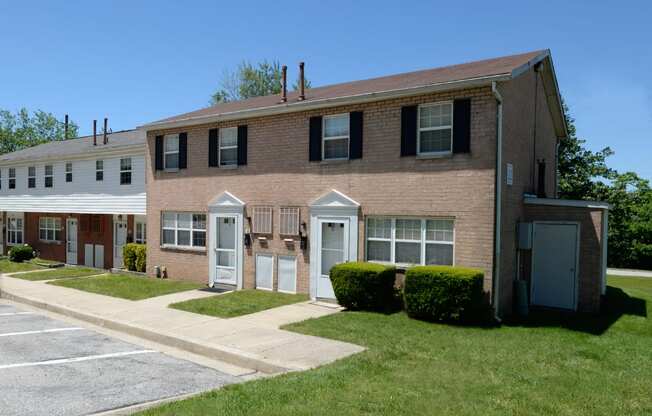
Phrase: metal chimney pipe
{"type": "Point", "coordinates": [65, 127]}
{"type": "Point", "coordinates": [94, 132]}
{"type": "Point", "coordinates": [106, 121]}
{"type": "Point", "coordinates": [302, 83]}
{"type": "Point", "coordinates": [284, 82]}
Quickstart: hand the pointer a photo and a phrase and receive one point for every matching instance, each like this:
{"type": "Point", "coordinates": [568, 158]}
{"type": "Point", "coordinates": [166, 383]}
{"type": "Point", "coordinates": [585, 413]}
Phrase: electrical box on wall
{"type": "Point", "coordinates": [525, 236]}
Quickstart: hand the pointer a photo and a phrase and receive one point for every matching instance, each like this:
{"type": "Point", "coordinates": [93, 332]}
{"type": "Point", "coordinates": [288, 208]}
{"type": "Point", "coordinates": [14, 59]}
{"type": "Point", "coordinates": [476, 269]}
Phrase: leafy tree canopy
{"type": "Point", "coordinates": [21, 129]}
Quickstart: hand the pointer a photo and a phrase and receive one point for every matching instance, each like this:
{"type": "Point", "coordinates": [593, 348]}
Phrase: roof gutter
{"type": "Point", "coordinates": [327, 102]}
{"type": "Point", "coordinates": [497, 202]}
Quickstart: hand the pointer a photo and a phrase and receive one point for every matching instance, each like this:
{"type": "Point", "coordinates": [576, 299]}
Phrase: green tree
{"type": "Point", "coordinates": [21, 129]}
{"type": "Point", "coordinates": [251, 80]}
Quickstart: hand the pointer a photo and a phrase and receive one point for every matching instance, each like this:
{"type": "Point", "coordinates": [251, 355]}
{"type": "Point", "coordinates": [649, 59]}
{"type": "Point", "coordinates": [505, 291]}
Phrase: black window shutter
{"type": "Point", "coordinates": [462, 126]}
{"type": "Point", "coordinates": [183, 150]}
{"type": "Point", "coordinates": [242, 145]}
{"type": "Point", "coordinates": [315, 138]}
{"type": "Point", "coordinates": [212, 147]}
{"type": "Point", "coordinates": [409, 130]}
{"type": "Point", "coordinates": [355, 132]}
{"type": "Point", "coordinates": [158, 152]}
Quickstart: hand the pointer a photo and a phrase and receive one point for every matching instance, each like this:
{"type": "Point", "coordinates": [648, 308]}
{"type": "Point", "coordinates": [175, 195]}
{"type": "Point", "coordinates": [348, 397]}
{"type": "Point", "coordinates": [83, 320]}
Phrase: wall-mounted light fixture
{"type": "Point", "coordinates": [247, 230]}
{"type": "Point", "coordinates": [303, 235]}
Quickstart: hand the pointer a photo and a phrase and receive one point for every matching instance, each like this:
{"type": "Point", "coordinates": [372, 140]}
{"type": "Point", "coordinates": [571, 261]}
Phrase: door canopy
{"type": "Point", "coordinates": [334, 202]}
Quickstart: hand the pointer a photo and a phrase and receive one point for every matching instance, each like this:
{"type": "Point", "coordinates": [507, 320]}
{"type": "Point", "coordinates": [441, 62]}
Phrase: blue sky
{"type": "Point", "coordinates": [138, 61]}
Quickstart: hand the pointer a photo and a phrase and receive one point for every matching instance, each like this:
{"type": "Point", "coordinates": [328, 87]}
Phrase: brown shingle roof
{"type": "Point", "coordinates": [468, 71]}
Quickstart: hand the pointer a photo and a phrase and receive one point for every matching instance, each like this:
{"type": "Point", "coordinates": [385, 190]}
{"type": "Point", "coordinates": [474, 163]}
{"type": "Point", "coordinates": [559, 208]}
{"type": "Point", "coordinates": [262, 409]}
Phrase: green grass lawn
{"type": "Point", "coordinates": [238, 303]}
{"type": "Point", "coordinates": [127, 286]}
{"type": "Point", "coordinates": [7, 266]}
{"type": "Point", "coordinates": [551, 365]}
{"type": "Point", "coordinates": [60, 273]}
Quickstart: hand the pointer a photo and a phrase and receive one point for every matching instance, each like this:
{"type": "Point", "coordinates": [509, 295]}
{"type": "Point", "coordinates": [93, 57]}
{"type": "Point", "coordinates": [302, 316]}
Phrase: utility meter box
{"type": "Point", "coordinates": [525, 236]}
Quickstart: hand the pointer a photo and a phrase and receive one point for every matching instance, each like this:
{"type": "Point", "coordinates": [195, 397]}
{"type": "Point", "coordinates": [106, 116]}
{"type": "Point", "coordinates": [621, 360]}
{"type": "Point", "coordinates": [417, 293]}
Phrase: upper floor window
{"type": "Point", "coordinates": [14, 230]}
{"type": "Point", "coordinates": [0, 178]}
{"type": "Point", "coordinates": [171, 153]}
{"type": "Point", "coordinates": [12, 178]}
{"type": "Point", "coordinates": [68, 172]}
{"type": "Point", "coordinates": [31, 177]}
{"type": "Point", "coordinates": [183, 230]}
{"type": "Point", "coordinates": [125, 171]}
{"type": "Point", "coordinates": [228, 149]}
{"type": "Point", "coordinates": [435, 134]}
{"type": "Point", "coordinates": [49, 229]}
{"type": "Point", "coordinates": [99, 170]}
{"type": "Point", "coordinates": [49, 176]}
{"type": "Point", "coordinates": [335, 137]}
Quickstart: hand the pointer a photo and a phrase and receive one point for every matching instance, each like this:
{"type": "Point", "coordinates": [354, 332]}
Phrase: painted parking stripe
{"type": "Point", "coordinates": [42, 331]}
{"type": "Point", "coordinates": [76, 359]}
{"type": "Point", "coordinates": [16, 313]}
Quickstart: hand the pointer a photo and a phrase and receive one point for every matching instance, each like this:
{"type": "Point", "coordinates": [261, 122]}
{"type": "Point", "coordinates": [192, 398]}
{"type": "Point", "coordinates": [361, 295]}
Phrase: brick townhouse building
{"type": "Point", "coordinates": [452, 166]}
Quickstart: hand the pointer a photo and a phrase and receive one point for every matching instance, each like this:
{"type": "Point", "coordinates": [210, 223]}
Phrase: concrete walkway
{"type": "Point", "coordinates": [630, 272]}
{"type": "Point", "coordinates": [252, 341]}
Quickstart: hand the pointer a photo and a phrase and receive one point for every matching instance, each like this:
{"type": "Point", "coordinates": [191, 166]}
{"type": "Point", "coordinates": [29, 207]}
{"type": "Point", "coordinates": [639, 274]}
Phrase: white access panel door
{"type": "Point", "coordinates": [554, 265]}
{"type": "Point", "coordinates": [88, 255]}
{"type": "Point", "coordinates": [99, 256]}
{"type": "Point", "coordinates": [287, 274]}
{"type": "Point", "coordinates": [71, 241]}
{"type": "Point", "coordinates": [264, 271]}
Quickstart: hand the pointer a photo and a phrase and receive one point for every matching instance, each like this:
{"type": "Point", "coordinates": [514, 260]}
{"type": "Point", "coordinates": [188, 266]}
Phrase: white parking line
{"type": "Point", "coordinates": [16, 313]}
{"type": "Point", "coordinates": [42, 331]}
{"type": "Point", "coordinates": [76, 359]}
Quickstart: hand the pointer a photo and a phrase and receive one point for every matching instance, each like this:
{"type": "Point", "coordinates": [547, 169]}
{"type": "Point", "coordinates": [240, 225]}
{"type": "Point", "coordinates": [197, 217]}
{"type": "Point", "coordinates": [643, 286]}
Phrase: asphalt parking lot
{"type": "Point", "coordinates": [50, 367]}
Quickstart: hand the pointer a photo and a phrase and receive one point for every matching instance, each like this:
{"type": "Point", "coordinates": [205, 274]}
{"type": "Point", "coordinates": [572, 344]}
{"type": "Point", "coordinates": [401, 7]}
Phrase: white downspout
{"type": "Point", "coordinates": [498, 200]}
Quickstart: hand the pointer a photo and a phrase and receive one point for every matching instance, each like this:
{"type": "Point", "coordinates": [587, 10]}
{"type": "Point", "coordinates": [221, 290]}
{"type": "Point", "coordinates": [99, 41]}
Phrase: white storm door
{"type": "Point", "coordinates": [119, 240]}
{"type": "Point", "coordinates": [264, 271]}
{"type": "Point", "coordinates": [71, 241]}
{"type": "Point", "coordinates": [225, 249]}
{"type": "Point", "coordinates": [333, 249]}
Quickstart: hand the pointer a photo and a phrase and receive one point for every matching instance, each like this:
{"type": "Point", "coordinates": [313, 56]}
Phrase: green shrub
{"type": "Point", "coordinates": [21, 253]}
{"type": "Point", "coordinates": [129, 256]}
{"type": "Point", "coordinates": [364, 286]}
{"type": "Point", "coordinates": [141, 258]}
{"type": "Point", "coordinates": [444, 293]}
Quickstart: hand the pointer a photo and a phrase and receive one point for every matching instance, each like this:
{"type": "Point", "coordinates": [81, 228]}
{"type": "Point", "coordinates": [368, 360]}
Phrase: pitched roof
{"type": "Point", "coordinates": [77, 147]}
{"type": "Point", "coordinates": [496, 67]}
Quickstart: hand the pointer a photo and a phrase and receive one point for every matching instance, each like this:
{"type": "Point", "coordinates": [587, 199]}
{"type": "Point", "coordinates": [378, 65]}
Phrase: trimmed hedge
{"type": "Point", "coordinates": [364, 286]}
{"type": "Point", "coordinates": [443, 293]}
{"type": "Point", "coordinates": [21, 253]}
{"type": "Point", "coordinates": [135, 257]}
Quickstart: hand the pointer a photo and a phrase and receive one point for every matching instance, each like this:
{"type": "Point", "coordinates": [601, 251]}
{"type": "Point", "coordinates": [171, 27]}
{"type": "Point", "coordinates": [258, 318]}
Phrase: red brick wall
{"type": "Point", "coordinates": [47, 250]}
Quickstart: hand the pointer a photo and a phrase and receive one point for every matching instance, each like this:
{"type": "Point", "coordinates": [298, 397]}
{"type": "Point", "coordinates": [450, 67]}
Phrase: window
{"type": "Point", "coordinates": [228, 146]}
{"type": "Point", "coordinates": [262, 220]}
{"type": "Point", "coordinates": [68, 172]}
{"type": "Point", "coordinates": [183, 230]}
{"type": "Point", "coordinates": [12, 178]}
{"type": "Point", "coordinates": [0, 178]}
{"type": "Point", "coordinates": [141, 232]}
{"type": "Point", "coordinates": [14, 230]}
{"type": "Point", "coordinates": [31, 177]}
{"type": "Point", "coordinates": [335, 143]}
{"type": "Point", "coordinates": [289, 220]}
{"type": "Point", "coordinates": [49, 229]}
{"type": "Point", "coordinates": [125, 171]}
{"type": "Point", "coordinates": [99, 170]}
{"type": "Point", "coordinates": [410, 241]}
{"type": "Point", "coordinates": [435, 129]}
{"type": "Point", "coordinates": [49, 177]}
{"type": "Point", "coordinates": [171, 153]}
{"type": "Point", "coordinates": [97, 225]}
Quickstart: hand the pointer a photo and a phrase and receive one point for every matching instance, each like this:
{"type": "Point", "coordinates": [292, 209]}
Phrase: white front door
{"type": "Point", "coordinates": [226, 255]}
{"type": "Point", "coordinates": [71, 241]}
{"type": "Point", "coordinates": [333, 249]}
{"type": "Point", "coordinates": [119, 240]}
{"type": "Point", "coordinates": [554, 265]}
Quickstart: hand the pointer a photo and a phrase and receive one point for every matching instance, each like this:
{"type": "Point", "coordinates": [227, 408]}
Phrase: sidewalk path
{"type": "Point", "coordinates": [630, 272]}
{"type": "Point", "coordinates": [251, 341]}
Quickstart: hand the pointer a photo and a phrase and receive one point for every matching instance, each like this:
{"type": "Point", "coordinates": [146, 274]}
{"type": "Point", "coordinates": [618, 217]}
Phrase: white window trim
{"type": "Point", "coordinates": [220, 148]}
{"type": "Point", "coordinates": [11, 178]}
{"type": "Point", "coordinates": [393, 240]}
{"type": "Point", "coordinates": [31, 177]}
{"type": "Point", "coordinates": [419, 129]}
{"type": "Point", "coordinates": [130, 170]}
{"type": "Point", "coordinates": [143, 239]}
{"type": "Point", "coordinates": [256, 225]}
{"type": "Point", "coordinates": [46, 228]}
{"type": "Point", "coordinates": [99, 170]}
{"type": "Point", "coordinates": [176, 230]}
{"type": "Point", "coordinates": [45, 176]}
{"type": "Point", "coordinates": [324, 139]}
{"type": "Point", "coordinates": [16, 217]}
{"type": "Point", "coordinates": [69, 164]}
{"type": "Point", "coordinates": [167, 152]}
{"type": "Point", "coordinates": [294, 212]}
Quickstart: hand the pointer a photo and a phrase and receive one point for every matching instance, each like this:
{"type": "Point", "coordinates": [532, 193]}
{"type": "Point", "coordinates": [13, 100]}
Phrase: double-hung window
{"type": "Point", "coordinates": [12, 178]}
{"type": "Point", "coordinates": [49, 229]}
{"type": "Point", "coordinates": [49, 176]}
{"type": "Point", "coordinates": [99, 170]}
{"type": "Point", "coordinates": [14, 230]}
{"type": "Point", "coordinates": [69, 172]}
{"type": "Point", "coordinates": [31, 177]}
{"type": "Point", "coordinates": [171, 152]}
{"type": "Point", "coordinates": [289, 221]}
{"type": "Point", "coordinates": [183, 229]}
{"type": "Point", "coordinates": [141, 232]}
{"type": "Point", "coordinates": [407, 241]}
{"type": "Point", "coordinates": [335, 137]}
{"type": "Point", "coordinates": [228, 146]}
{"type": "Point", "coordinates": [435, 129]}
{"type": "Point", "coordinates": [125, 171]}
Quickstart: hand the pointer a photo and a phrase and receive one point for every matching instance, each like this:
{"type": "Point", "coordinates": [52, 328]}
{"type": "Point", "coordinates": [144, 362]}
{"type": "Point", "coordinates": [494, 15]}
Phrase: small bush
{"type": "Point", "coordinates": [134, 256]}
{"type": "Point", "coordinates": [141, 258]}
{"type": "Point", "coordinates": [21, 253]}
{"type": "Point", "coordinates": [364, 286]}
{"type": "Point", "coordinates": [443, 293]}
